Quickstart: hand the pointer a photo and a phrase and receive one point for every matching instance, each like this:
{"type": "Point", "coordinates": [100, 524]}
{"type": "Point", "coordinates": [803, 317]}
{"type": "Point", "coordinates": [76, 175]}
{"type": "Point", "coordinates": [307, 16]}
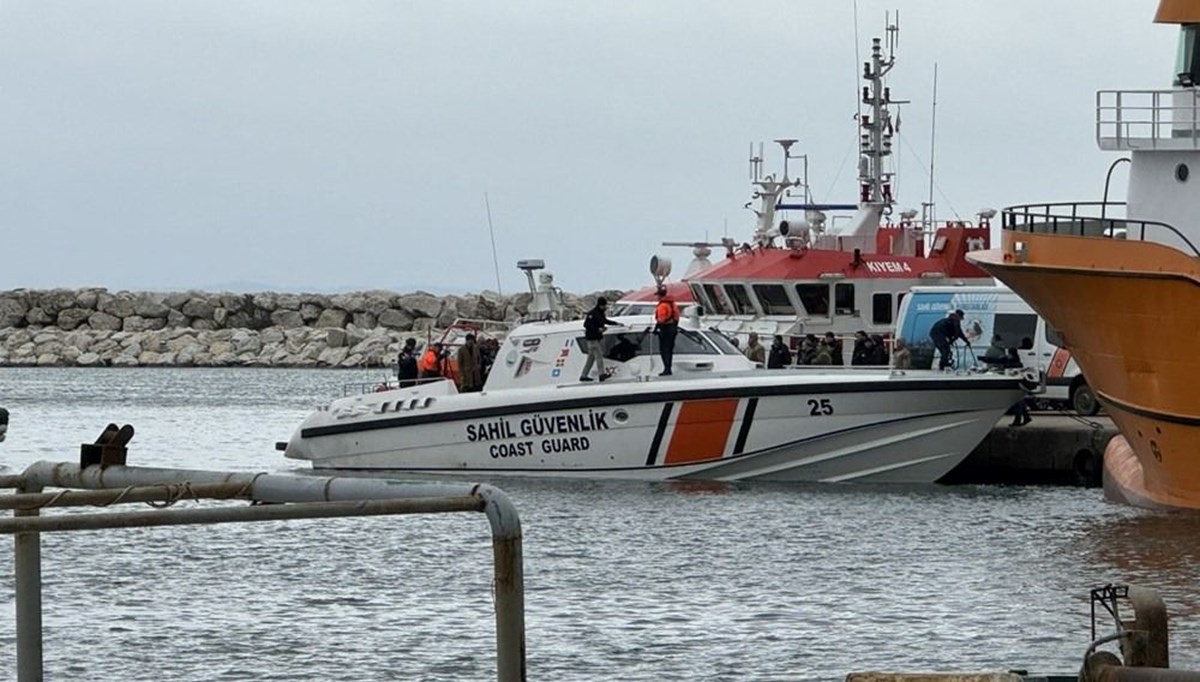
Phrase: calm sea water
{"type": "Point", "coordinates": [628, 581]}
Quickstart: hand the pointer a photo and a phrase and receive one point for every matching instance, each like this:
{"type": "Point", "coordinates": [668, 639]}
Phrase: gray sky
{"type": "Point", "coordinates": [326, 145]}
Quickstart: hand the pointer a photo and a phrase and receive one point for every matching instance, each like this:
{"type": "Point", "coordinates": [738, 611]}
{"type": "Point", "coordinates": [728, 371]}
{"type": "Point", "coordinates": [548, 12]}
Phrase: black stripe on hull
{"type": "Point", "coordinates": [747, 419]}
{"type": "Point", "coordinates": [663, 419]}
{"type": "Point", "coordinates": [1147, 413]}
{"type": "Point", "coordinates": [677, 395]}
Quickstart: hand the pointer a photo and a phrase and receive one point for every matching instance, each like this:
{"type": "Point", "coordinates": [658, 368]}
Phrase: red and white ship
{"type": "Point", "coordinates": [803, 272]}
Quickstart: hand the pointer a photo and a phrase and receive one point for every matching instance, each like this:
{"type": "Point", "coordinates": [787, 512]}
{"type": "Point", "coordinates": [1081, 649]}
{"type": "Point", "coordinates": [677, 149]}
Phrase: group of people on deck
{"type": "Point", "coordinates": [470, 367]}
{"type": "Point", "coordinates": [869, 350]}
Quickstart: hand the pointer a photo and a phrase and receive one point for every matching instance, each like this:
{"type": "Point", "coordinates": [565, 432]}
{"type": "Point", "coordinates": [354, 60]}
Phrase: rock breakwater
{"type": "Point", "coordinates": [95, 327]}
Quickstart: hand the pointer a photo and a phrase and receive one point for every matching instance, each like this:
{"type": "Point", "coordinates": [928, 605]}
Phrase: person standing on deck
{"type": "Point", "coordinates": [945, 332]}
{"type": "Point", "coordinates": [406, 363]}
{"type": "Point", "coordinates": [431, 362]}
{"type": "Point", "coordinates": [901, 356]}
{"type": "Point", "coordinates": [470, 366]}
{"type": "Point", "coordinates": [755, 351]}
{"type": "Point", "coordinates": [835, 349]}
{"type": "Point", "coordinates": [780, 355]}
{"type": "Point", "coordinates": [666, 325]}
{"type": "Point", "coordinates": [593, 335]}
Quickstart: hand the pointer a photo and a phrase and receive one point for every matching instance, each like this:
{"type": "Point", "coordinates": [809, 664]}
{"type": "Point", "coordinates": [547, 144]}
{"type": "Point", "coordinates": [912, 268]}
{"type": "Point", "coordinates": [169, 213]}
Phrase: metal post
{"type": "Point", "coordinates": [27, 574]}
{"type": "Point", "coordinates": [1118, 122]}
{"type": "Point", "coordinates": [508, 561]}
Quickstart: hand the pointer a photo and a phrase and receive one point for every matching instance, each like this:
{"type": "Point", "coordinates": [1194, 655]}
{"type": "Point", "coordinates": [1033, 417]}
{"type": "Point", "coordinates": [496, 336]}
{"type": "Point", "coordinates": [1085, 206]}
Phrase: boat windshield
{"type": "Point", "coordinates": [722, 342]}
{"type": "Point", "coordinates": [624, 346]}
{"type": "Point", "coordinates": [634, 309]}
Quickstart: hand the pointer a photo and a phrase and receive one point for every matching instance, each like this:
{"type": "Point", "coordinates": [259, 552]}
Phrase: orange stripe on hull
{"type": "Point", "coordinates": [1058, 363]}
{"type": "Point", "coordinates": [701, 430]}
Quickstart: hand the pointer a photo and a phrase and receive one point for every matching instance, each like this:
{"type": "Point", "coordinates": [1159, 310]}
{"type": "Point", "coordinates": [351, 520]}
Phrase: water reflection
{"type": "Point", "coordinates": [1151, 548]}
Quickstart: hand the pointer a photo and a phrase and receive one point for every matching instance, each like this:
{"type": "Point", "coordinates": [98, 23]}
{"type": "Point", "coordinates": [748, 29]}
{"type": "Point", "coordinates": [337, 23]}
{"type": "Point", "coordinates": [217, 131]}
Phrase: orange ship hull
{"type": "Point", "coordinates": [1129, 311]}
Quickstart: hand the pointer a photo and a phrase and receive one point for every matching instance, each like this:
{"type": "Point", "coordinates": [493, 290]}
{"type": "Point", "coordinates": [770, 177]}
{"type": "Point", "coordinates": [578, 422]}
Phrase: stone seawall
{"type": "Point", "coordinates": [96, 327]}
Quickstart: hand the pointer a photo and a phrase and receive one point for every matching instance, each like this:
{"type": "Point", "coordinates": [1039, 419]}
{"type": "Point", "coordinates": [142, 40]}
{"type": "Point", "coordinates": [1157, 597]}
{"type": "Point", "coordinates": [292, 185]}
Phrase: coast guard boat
{"type": "Point", "coordinates": [804, 271]}
{"type": "Point", "coordinates": [719, 417]}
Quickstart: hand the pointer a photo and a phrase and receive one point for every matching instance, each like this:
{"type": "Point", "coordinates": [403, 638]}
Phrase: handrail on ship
{"type": "Point", "coordinates": [1148, 119]}
{"type": "Point", "coordinates": [272, 497]}
{"type": "Point", "coordinates": [1050, 216]}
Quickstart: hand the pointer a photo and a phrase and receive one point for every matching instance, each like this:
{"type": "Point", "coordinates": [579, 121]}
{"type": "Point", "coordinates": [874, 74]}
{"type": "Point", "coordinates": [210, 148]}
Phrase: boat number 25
{"type": "Point", "coordinates": [820, 408]}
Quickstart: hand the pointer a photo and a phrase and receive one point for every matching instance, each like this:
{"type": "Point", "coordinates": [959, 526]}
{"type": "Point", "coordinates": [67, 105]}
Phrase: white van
{"type": "Point", "coordinates": [993, 311]}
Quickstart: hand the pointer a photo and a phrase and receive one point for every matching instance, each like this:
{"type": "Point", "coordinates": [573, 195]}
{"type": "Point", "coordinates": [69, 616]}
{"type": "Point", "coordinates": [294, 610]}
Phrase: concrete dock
{"type": "Point", "coordinates": [1054, 449]}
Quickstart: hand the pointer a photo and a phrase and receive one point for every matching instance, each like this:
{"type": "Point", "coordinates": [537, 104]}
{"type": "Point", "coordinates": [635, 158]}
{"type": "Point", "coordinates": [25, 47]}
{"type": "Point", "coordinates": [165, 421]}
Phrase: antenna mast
{"type": "Point", "coordinates": [932, 139]}
{"type": "Point", "coordinates": [491, 231]}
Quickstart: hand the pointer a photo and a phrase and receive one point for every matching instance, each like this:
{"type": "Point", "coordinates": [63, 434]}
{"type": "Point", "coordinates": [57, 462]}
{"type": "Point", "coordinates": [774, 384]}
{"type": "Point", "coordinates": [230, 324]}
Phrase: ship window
{"type": "Point", "coordinates": [774, 299]}
{"type": "Point", "coordinates": [701, 299]}
{"type": "Point", "coordinates": [1187, 59]}
{"type": "Point", "coordinates": [740, 299]}
{"type": "Point", "coordinates": [1015, 330]}
{"type": "Point", "coordinates": [815, 298]}
{"type": "Point", "coordinates": [881, 308]}
{"type": "Point", "coordinates": [717, 297]}
{"type": "Point", "coordinates": [843, 296]}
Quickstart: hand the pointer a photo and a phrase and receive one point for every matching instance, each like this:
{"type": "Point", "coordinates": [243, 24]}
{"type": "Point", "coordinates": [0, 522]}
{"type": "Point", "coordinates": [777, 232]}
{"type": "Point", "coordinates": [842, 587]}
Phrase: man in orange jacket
{"type": "Point", "coordinates": [666, 325]}
{"type": "Point", "coordinates": [431, 362]}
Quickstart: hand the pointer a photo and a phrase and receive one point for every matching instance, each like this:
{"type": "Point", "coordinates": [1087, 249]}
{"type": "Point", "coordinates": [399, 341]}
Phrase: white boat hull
{"type": "Point", "coordinates": [777, 426]}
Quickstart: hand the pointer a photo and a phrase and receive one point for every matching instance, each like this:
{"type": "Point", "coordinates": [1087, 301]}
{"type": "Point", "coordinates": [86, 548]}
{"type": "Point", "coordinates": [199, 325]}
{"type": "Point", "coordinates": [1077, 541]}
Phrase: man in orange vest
{"type": "Point", "coordinates": [666, 325]}
{"type": "Point", "coordinates": [431, 362]}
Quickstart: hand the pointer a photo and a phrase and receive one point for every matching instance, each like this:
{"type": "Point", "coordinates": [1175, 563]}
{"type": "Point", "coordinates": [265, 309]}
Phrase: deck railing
{"type": "Point", "coordinates": [1148, 119]}
{"type": "Point", "coordinates": [1087, 219]}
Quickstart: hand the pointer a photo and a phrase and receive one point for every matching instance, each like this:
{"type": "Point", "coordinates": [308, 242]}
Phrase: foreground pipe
{"type": "Point", "coordinates": [355, 496]}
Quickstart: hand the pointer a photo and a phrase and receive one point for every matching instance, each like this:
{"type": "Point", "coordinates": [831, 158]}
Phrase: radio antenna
{"type": "Point", "coordinates": [492, 231]}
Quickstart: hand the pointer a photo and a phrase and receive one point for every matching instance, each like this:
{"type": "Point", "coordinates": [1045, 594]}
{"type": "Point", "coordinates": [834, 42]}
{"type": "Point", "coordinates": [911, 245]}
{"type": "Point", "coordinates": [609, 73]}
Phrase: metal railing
{"type": "Point", "coordinates": [1079, 219]}
{"type": "Point", "coordinates": [385, 384]}
{"type": "Point", "coordinates": [1148, 119]}
{"type": "Point", "coordinates": [285, 497]}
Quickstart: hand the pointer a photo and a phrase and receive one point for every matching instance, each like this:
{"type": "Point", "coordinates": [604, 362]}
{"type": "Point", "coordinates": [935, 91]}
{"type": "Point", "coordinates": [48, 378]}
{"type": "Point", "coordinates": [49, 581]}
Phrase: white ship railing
{"type": "Point", "coordinates": [1133, 120]}
{"type": "Point", "coordinates": [272, 497]}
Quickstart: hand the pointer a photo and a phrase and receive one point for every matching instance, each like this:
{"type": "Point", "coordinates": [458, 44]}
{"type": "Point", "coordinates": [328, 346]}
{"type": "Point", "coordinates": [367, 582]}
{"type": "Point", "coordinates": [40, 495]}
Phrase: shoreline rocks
{"type": "Point", "coordinates": [97, 328]}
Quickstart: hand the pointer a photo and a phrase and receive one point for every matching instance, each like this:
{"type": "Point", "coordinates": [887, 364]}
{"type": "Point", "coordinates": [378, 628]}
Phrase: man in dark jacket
{"type": "Point", "coordinates": [945, 332]}
{"type": "Point", "coordinates": [593, 335]}
{"type": "Point", "coordinates": [780, 356]}
{"type": "Point", "coordinates": [861, 355]}
{"type": "Point", "coordinates": [406, 364]}
{"type": "Point", "coordinates": [835, 348]}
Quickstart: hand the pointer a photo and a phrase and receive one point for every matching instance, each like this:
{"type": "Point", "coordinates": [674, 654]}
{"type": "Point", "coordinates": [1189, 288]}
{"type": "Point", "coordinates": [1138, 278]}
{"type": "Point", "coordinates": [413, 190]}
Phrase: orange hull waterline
{"type": "Point", "coordinates": [1121, 281]}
